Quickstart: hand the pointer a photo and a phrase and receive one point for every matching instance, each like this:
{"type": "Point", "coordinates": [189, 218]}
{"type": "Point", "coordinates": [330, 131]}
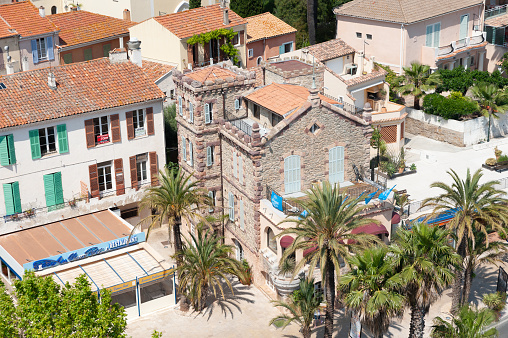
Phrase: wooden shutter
{"type": "Point", "coordinates": [57, 183]}
{"type": "Point", "coordinates": [190, 58]}
{"type": "Point", "coordinates": [336, 165]}
{"type": "Point", "coordinates": [191, 155]}
{"type": "Point", "coordinates": [242, 37]}
{"type": "Point", "coordinates": [130, 125]}
{"type": "Point", "coordinates": [16, 197]}
{"type": "Point", "coordinates": [10, 146]}
{"type": "Point", "coordinates": [153, 168]}
{"type": "Point", "coordinates": [49, 189]}
{"type": "Point", "coordinates": [8, 198]}
{"type": "Point", "coordinates": [149, 121]}
{"type": "Point", "coordinates": [115, 128]}
{"type": "Point", "coordinates": [402, 130]}
{"type": "Point", "coordinates": [35, 144]}
{"type": "Point", "coordinates": [49, 48]}
{"type": "Point", "coordinates": [134, 172]}
{"type": "Point", "coordinates": [240, 169]}
{"type": "Point", "coordinates": [35, 55]}
{"type": "Point", "coordinates": [208, 116]}
{"type": "Point", "coordinates": [464, 20]}
{"type": "Point", "coordinates": [231, 203]}
{"type": "Point", "coordinates": [120, 183]}
{"type": "Point", "coordinates": [437, 32]}
{"type": "Point", "coordinates": [292, 174]}
{"type": "Point", "coordinates": [209, 157]}
{"type": "Point", "coordinates": [94, 180]}
{"type": "Point", "coordinates": [429, 35]}
{"type": "Point", "coordinates": [4, 151]}
{"type": "Point", "coordinates": [206, 47]}
{"type": "Point", "coordinates": [90, 136]}
{"type": "Point", "coordinates": [191, 112]}
{"type": "Point", "coordinates": [235, 172]}
{"type": "Point", "coordinates": [63, 144]}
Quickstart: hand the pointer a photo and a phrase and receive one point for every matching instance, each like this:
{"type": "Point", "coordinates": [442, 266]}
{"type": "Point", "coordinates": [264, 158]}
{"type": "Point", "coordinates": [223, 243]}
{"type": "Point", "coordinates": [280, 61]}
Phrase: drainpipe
{"type": "Point", "coordinates": [264, 49]}
{"type": "Point", "coordinates": [223, 230]}
{"type": "Point", "coordinates": [401, 45]}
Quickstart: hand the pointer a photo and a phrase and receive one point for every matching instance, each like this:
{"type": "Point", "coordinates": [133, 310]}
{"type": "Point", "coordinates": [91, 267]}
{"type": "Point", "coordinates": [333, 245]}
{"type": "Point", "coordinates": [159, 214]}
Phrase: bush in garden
{"type": "Point", "coordinates": [454, 107]}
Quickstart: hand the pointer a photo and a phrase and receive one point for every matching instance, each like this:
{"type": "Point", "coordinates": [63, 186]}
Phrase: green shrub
{"type": "Point", "coordinates": [502, 158]}
{"type": "Point", "coordinates": [490, 161]}
{"type": "Point", "coordinates": [460, 79]}
{"type": "Point", "coordinates": [495, 301]}
{"type": "Point", "coordinates": [454, 107]}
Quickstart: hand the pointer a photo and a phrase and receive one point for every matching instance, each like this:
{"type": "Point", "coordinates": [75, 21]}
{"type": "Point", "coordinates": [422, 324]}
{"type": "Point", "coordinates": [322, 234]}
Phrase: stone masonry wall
{"type": "Point", "coordinates": [434, 132]}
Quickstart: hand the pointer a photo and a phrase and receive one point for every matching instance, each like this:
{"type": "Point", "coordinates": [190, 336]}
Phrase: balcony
{"type": "Point", "coordinates": [496, 11]}
{"type": "Point", "coordinates": [242, 122]}
{"type": "Point", "coordinates": [430, 55]}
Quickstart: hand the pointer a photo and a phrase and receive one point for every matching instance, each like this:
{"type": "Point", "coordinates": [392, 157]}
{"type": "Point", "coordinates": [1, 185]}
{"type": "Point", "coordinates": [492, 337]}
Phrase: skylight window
{"type": "Point", "coordinates": [2, 85]}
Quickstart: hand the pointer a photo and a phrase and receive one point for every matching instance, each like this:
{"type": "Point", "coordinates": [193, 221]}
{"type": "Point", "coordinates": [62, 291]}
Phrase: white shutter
{"type": "Point", "coordinates": [209, 158]}
{"type": "Point", "coordinates": [464, 21]}
{"type": "Point", "coordinates": [292, 174]}
{"type": "Point", "coordinates": [237, 103]}
{"type": "Point", "coordinates": [235, 173]}
{"type": "Point", "coordinates": [191, 112]}
{"type": "Point", "coordinates": [207, 113]}
{"type": "Point", "coordinates": [211, 195]}
{"type": "Point", "coordinates": [184, 150]}
{"type": "Point", "coordinates": [191, 159]}
{"type": "Point", "coordinates": [437, 32]}
{"type": "Point", "coordinates": [180, 106]}
{"type": "Point", "coordinates": [231, 207]}
{"type": "Point", "coordinates": [240, 169]}
{"type": "Point", "coordinates": [242, 224]}
{"type": "Point", "coordinates": [429, 36]}
{"type": "Point", "coordinates": [336, 165]}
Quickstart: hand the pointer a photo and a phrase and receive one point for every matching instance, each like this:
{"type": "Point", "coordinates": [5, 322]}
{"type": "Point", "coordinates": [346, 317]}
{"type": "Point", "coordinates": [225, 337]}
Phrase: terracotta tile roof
{"type": "Point", "coordinates": [156, 70]}
{"type": "Point", "coordinates": [25, 19]}
{"type": "Point", "coordinates": [402, 117]}
{"type": "Point", "coordinates": [282, 99]}
{"type": "Point", "coordinates": [266, 25]}
{"type": "Point", "coordinates": [6, 30]}
{"type": "Point", "coordinates": [198, 20]}
{"type": "Point", "coordinates": [291, 65]}
{"type": "Point", "coordinates": [364, 78]}
{"type": "Point", "coordinates": [458, 51]}
{"type": "Point", "coordinates": [402, 11]}
{"type": "Point", "coordinates": [210, 73]}
{"type": "Point", "coordinates": [81, 87]}
{"type": "Point", "coordinates": [330, 50]}
{"type": "Point", "coordinates": [497, 21]}
{"type": "Point", "coordinates": [77, 27]}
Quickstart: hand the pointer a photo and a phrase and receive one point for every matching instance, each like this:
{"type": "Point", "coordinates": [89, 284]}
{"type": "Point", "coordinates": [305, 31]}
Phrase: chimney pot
{"type": "Point", "coordinates": [127, 14]}
{"type": "Point", "coordinates": [51, 81]}
{"type": "Point", "coordinates": [42, 11]}
{"type": "Point", "coordinates": [225, 12]}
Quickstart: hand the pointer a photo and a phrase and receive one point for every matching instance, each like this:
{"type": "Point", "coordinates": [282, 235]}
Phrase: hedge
{"type": "Point", "coordinates": [453, 107]}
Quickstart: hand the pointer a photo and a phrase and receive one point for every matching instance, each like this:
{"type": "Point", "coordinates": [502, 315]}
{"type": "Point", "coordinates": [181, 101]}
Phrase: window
{"type": "Point", "coordinates": [239, 251]}
{"type": "Point", "coordinates": [105, 49]}
{"type": "Point", "coordinates": [43, 141]}
{"type": "Point", "coordinates": [314, 128]}
{"type": "Point", "coordinates": [271, 242]}
{"type": "Point", "coordinates": [464, 26]}
{"type": "Point", "coordinates": [67, 58]}
{"type": "Point", "coordinates": [237, 104]}
{"type": "Point", "coordinates": [138, 120]}
{"type": "Point", "coordinates": [259, 60]}
{"type": "Point", "coordinates": [180, 106]}
{"type": "Point", "coordinates": [184, 150]}
{"type": "Point", "coordinates": [276, 119]}
{"type": "Point", "coordinates": [12, 198]}
{"type": "Point", "coordinates": [141, 168]}
{"type": "Point", "coordinates": [7, 153]}
{"type": "Point", "coordinates": [251, 52]}
{"type": "Point", "coordinates": [172, 94]}
{"type": "Point", "coordinates": [369, 36]}
{"type": "Point", "coordinates": [88, 54]}
{"type": "Point", "coordinates": [286, 48]}
{"type": "Point", "coordinates": [41, 49]}
{"type": "Point", "coordinates": [236, 39]}
{"type": "Point", "coordinates": [211, 194]}
{"type": "Point", "coordinates": [240, 169]}
{"type": "Point", "coordinates": [432, 35]}
{"type": "Point", "coordinates": [358, 35]}
{"type": "Point", "coordinates": [105, 178]}
{"type": "Point", "coordinates": [292, 174]}
{"type": "Point", "coordinates": [191, 160]}
{"type": "Point", "coordinates": [231, 203]}
{"type": "Point", "coordinates": [53, 10]}
{"type": "Point", "coordinates": [101, 129]}
{"type": "Point", "coordinates": [257, 111]}
{"type": "Point", "coordinates": [191, 112]}
{"type": "Point", "coordinates": [209, 155]}
{"type": "Point", "coordinates": [208, 113]}
{"type": "Point", "coordinates": [242, 218]}
{"type": "Point", "coordinates": [336, 165]}
{"type": "Point", "coordinates": [47, 140]}
{"type": "Point", "coordinates": [472, 61]}
{"type": "Point", "coordinates": [53, 190]}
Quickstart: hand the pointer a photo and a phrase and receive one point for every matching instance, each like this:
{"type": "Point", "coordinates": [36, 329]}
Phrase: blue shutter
{"type": "Point", "coordinates": [292, 174]}
{"type": "Point", "coordinates": [429, 36]}
{"type": "Point", "coordinates": [57, 180]}
{"type": "Point", "coordinates": [49, 189]}
{"type": "Point", "coordinates": [16, 197]}
{"type": "Point", "coordinates": [207, 113]}
{"type": "Point", "coordinates": [63, 144]}
{"type": "Point", "coordinates": [242, 222]}
{"type": "Point", "coordinates": [231, 207]}
{"type": "Point", "coordinates": [464, 20]}
{"type": "Point", "coordinates": [281, 49]}
{"type": "Point", "coordinates": [336, 165]}
{"type": "Point", "coordinates": [191, 159]}
{"type": "Point", "coordinates": [49, 48]}
{"type": "Point", "coordinates": [237, 104]}
{"type": "Point", "coordinates": [35, 144]}
{"type": "Point", "coordinates": [184, 150]}
{"type": "Point", "coordinates": [209, 156]}
{"type": "Point", "coordinates": [4, 151]}
{"type": "Point", "coordinates": [437, 32]}
{"type": "Point", "coordinates": [180, 107]}
{"type": "Point", "coordinates": [12, 152]}
{"type": "Point", "coordinates": [9, 201]}
{"type": "Point", "coordinates": [191, 112]}
{"type": "Point", "coordinates": [35, 56]}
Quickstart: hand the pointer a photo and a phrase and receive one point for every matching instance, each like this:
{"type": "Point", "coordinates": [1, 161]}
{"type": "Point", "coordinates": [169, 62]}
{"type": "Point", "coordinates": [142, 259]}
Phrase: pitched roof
{"type": "Point", "coordinates": [77, 27]}
{"type": "Point", "coordinates": [25, 19]}
{"type": "Point", "coordinates": [81, 87]}
{"type": "Point", "coordinates": [266, 25]}
{"type": "Point", "coordinates": [330, 50]}
{"type": "Point", "coordinates": [402, 11]}
{"type": "Point", "coordinates": [210, 73]}
{"type": "Point", "coordinates": [198, 20]}
{"type": "Point", "coordinates": [282, 99]}
{"type": "Point", "coordinates": [6, 30]}
{"type": "Point", "coordinates": [155, 70]}
{"type": "Point", "coordinates": [497, 21]}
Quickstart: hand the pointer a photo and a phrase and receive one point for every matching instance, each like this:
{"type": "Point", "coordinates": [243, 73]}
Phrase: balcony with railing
{"type": "Point", "coordinates": [430, 55]}
{"type": "Point", "coordinates": [242, 122]}
{"type": "Point", "coordinates": [495, 11]}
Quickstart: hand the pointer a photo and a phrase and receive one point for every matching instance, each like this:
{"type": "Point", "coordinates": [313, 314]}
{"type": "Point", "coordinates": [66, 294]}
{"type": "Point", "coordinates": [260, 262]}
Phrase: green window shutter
{"type": "Point", "coordinates": [9, 202]}
{"type": "Point", "coordinates": [105, 49]}
{"type": "Point", "coordinates": [4, 151]}
{"type": "Point", "coordinates": [57, 180]}
{"type": "Point", "coordinates": [49, 189]}
{"type": "Point", "coordinates": [34, 143]}
{"type": "Point", "coordinates": [88, 54]}
{"type": "Point", "coordinates": [10, 145]}
{"type": "Point", "coordinates": [63, 144]}
{"type": "Point", "coordinates": [16, 197]}
{"type": "Point", "coordinates": [67, 58]}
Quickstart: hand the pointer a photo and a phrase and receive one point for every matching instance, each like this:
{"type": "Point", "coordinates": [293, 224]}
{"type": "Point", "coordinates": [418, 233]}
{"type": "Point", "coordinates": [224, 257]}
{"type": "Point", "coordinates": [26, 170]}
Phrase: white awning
{"type": "Point", "coordinates": [366, 87]}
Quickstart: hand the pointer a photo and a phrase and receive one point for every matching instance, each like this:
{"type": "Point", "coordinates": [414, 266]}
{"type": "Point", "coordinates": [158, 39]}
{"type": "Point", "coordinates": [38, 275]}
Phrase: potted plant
{"type": "Point", "coordinates": [246, 277]}
{"type": "Point", "coordinates": [497, 153]}
{"type": "Point", "coordinates": [390, 169]}
{"type": "Point", "coordinates": [29, 212]}
{"type": "Point", "coordinates": [402, 166]}
{"type": "Point", "coordinates": [491, 162]}
{"type": "Point", "coordinates": [412, 167]}
{"type": "Point", "coordinates": [72, 203]}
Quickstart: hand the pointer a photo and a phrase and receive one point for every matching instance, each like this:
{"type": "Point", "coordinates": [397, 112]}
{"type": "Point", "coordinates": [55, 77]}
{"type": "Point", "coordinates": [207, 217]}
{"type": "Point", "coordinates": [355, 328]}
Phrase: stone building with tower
{"type": "Point", "coordinates": [248, 144]}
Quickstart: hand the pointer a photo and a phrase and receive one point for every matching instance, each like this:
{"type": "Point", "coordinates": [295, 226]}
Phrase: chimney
{"type": "Point", "coordinates": [360, 63]}
{"type": "Point", "coordinates": [120, 41]}
{"type": "Point", "coordinates": [118, 55]}
{"type": "Point", "coordinates": [126, 15]}
{"type": "Point", "coordinates": [51, 81]}
{"type": "Point", "coordinates": [74, 8]}
{"type": "Point", "coordinates": [42, 11]}
{"type": "Point", "coordinates": [9, 67]}
{"type": "Point", "coordinates": [135, 51]}
{"type": "Point", "coordinates": [225, 12]}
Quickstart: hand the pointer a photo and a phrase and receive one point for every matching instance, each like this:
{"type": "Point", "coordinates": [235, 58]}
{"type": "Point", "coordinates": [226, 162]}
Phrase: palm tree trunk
{"type": "Point", "coordinates": [417, 324]}
{"type": "Point", "coordinates": [204, 296]}
{"type": "Point", "coordinates": [306, 331]}
{"type": "Point", "coordinates": [468, 279]}
{"type": "Point", "coordinates": [417, 102]}
{"type": "Point", "coordinates": [330, 297]}
{"type": "Point", "coordinates": [488, 131]}
{"type": "Point", "coordinates": [184, 302]}
{"type": "Point", "coordinates": [457, 284]}
{"type": "Point", "coordinates": [311, 20]}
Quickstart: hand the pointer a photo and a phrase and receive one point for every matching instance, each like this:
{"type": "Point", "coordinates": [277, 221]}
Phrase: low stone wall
{"type": "Point", "coordinates": [417, 126]}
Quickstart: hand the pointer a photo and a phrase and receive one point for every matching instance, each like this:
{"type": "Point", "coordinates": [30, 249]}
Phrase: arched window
{"type": "Point", "coordinates": [53, 9]}
{"type": "Point", "coordinates": [259, 60]}
{"type": "Point", "coordinates": [292, 174]}
{"type": "Point", "coordinates": [336, 165]}
{"type": "Point", "coordinates": [271, 242]}
{"type": "Point", "coordinates": [239, 251]}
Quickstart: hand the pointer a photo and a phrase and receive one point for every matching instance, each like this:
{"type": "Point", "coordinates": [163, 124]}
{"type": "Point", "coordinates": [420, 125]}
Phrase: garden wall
{"type": "Point", "coordinates": [459, 133]}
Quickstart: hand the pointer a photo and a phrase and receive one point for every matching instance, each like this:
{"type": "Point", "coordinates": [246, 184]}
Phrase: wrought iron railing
{"type": "Point", "coordinates": [243, 126]}
{"type": "Point", "coordinates": [289, 207]}
{"type": "Point", "coordinates": [499, 10]}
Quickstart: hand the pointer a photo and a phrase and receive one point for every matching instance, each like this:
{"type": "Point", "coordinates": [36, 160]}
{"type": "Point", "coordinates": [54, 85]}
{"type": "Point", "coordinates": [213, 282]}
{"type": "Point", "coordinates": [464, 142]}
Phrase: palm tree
{"type": "Point", "coordinates": [417, 80]}
{"type": "Point", "coordinates": [312, 20]}
{"type": "Point", "coordinates": [425, 261]}
{"type": "Point", "coordinates": [302, 305]}
{"type": "Point", "coordinates": [469, 323]}
{"type": "Point", "coordinates": [370, 289]}
{"type": "Point", "coordinates": [478, 207]}
{"type": "Point", "coordinates": [326, 231]}
{"type": "Point", "coordinates": [492, 100]}
{"type": "Point", "coordinates": [479, 253]}
{"type": "Point", "coordinates": [205, 263]}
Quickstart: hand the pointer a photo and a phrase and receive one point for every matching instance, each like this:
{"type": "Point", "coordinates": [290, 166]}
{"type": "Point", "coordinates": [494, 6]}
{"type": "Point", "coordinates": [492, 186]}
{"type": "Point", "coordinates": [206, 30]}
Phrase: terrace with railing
{"type": "Point", "coordinates": [496, 11]}
{"type": "Point", "coordinates": [243, 123]}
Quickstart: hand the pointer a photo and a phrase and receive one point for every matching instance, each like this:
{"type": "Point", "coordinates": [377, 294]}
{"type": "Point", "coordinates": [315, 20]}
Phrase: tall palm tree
{"type": "Point", "coordinates": [302, 305]}
{"type": "Point", "coordinates": [370, 289]}
{"type": "Point", "coordinates": [469, 323]}
{"type": "Point", "coordinates": [492, 100]}
{"type": "Point", "coordinates": [479, 253]}
{"type": "Point", "coordinates": [478, 207]}
{"type": "Point", "coordinates": [417, 80]}
{"type": "Point", "coordinates": [326, 231]}
{"type": "Point", "coordinates": [425, 261]}
{"type": "Point", "coordinates": [205, 263]}
{"type": "Point", "coordinates": [312, 20]}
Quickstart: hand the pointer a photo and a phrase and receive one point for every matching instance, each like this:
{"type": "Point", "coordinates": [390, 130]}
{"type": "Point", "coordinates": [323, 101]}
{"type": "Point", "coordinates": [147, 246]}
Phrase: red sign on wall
{"type": "Point", "coordinates": [102, 138]}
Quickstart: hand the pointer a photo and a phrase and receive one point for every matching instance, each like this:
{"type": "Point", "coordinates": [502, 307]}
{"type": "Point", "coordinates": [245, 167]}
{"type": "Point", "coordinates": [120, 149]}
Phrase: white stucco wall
{"type": "Point", "coordinates": [74, 164]}
{"type": "Point", "coordinates": [336, 65]}
{"type": "Point", "coordinates": [25, 50]}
